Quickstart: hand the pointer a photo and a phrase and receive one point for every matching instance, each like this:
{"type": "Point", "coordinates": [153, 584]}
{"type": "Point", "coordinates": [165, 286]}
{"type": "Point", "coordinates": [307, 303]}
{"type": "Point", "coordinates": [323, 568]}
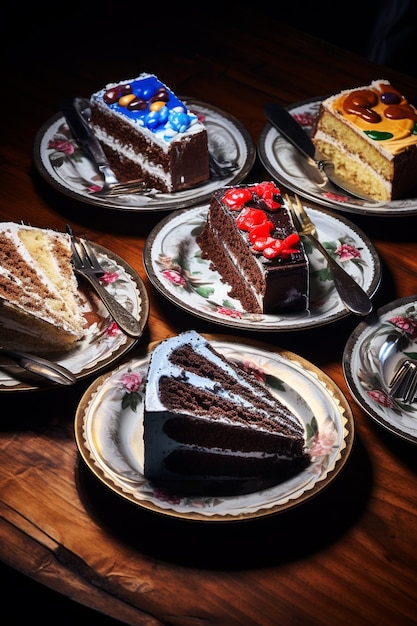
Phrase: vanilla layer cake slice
{"type": "Point", "coordinates": [370, 135]}
{"type": "Point", "coordinates": [39, 299]}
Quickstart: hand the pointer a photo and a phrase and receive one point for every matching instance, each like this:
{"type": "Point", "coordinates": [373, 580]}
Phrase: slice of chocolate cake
{"type": "Point", "coordinates": [149, 134]}
{"type": "Point", "coordinates": [251, 241]}
{"type": "Point", "coordinates": [210, 427]}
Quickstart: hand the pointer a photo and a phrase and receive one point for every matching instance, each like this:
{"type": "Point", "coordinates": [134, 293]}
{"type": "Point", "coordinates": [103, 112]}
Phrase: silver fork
{"type": "Point", "coordinates": [74, 110]}
{"type": "Point", "coordinates": [403, 384]}
{"type": "Point", "coordinates": [112, 186]}
{"type": "Point", "coordinates": [88, 266]}
{"type": "Point", "coordinates": [351, 293]}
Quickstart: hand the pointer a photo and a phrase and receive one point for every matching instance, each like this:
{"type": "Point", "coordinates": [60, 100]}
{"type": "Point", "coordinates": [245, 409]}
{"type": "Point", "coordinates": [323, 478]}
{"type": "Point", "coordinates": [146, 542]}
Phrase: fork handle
{"type": "Point", "coordinates": [125, 320]}
{"type": "Point", "coordinates": [351, 293]}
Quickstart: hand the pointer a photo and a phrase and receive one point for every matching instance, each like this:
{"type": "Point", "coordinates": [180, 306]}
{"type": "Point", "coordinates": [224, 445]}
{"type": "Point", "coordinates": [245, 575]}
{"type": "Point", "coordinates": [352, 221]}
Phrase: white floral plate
{"type": "Point", "coordinates": [285, 163]}
{"type": "Point", "coordinates": [368, 381]}
{"type": "Point", "coordinates": [109, 422]}
{"type": "Point", "coordinates": [65, 166]}
{"type": "Point", "coordinates": [103, 343]}
{"type": "Point", "coordinates": [172, 260]}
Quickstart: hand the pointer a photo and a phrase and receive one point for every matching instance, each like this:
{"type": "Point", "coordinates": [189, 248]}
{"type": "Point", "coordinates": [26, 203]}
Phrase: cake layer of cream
{"type": "Point", "coordinates": [369, 133]}
{"type": "Point", "coordinates": [210, 426]}
{"type": "Point", "coordinates": [39, 299]}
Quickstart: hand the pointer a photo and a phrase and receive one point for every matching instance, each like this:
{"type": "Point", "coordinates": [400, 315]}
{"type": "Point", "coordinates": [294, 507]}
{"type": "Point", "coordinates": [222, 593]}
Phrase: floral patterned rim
{"type": "Point", "coordinates": [66, 167]}
{"type": "Point", "coordinates": [173, 262]}
{"type": "Point", "coordinates": [366, 377]}
{"type": "Point", "coordinates": [108, 429]}
{"type": "Point", "coordinates": [283, 161]}
{"type": "Point", "coordinates": [103, 342]}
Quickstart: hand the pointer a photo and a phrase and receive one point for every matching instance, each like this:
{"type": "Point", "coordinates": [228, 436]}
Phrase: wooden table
{"type": "Point", "coordinates": [348, 556]}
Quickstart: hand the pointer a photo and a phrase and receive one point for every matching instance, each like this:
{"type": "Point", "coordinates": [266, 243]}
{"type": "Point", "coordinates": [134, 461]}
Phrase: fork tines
{"type": "Point", "coordinates": [404, 382]}
{"type": "Point", "coordinates": [90, 254]}
{"type": "Point", "coordinates": [293, 211]}
{"type": "Point", "coordinates": [83, 254]}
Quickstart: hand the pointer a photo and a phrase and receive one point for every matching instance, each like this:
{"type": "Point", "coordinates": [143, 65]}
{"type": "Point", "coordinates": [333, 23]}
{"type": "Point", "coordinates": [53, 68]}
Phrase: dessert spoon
{"type": "Point", "coordinates": [284, 122]}
{"type": "Point", "coordinates": [42, 367]}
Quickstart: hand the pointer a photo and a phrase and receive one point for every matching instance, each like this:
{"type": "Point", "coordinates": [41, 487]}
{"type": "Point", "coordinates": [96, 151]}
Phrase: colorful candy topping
{"type": "Point", "coordinates": [255, 222]}
{"type": "Point", "coordinates": [152, 105]}
{"type": "Point", "coordinates": [372, 107]}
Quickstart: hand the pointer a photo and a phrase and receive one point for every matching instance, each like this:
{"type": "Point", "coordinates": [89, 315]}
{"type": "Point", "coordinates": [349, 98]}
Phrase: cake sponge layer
{"type": "Point", "coordinates": [39, 300]}
{"type": "Point", "coordinates": [206, 419]}
{"type": "Point", "coordinates": [370, 135]}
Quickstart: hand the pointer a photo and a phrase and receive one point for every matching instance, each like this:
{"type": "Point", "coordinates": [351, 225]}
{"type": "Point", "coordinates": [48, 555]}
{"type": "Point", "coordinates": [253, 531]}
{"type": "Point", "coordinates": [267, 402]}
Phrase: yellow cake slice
{"type": "Point", "coordinates": [370, 135]}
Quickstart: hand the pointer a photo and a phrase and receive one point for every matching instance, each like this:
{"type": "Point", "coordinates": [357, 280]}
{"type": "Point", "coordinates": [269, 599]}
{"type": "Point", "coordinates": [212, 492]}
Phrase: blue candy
{"type": "Point", "coordinates": [179, 121]}
{"type": "Point", "coordinates": [152, 119]}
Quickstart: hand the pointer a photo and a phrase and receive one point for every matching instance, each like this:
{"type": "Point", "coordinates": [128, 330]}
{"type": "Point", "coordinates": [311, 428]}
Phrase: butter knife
{"type": "Point", "coordinates": [284, 122]}
{"type": "Point", "coordinates": [41, 367]}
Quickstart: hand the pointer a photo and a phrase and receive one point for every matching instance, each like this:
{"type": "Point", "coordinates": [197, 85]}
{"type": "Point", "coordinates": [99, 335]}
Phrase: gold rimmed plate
{"type": "Point", "coordinates": [103, 343]}
{"type": "Point", "coordinates": [109, 434]}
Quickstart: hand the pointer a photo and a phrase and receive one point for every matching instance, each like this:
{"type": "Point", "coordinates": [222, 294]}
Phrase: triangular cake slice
{"type": "Point", "coordinates": [210, 427]}
{"type": "Point", "coordinates": [39, 300]}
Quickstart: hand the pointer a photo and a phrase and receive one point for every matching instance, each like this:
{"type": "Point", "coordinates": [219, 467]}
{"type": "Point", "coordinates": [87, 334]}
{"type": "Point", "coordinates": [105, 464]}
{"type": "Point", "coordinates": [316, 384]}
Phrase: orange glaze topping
{"type": "Point", "coordinates": [383, 114]}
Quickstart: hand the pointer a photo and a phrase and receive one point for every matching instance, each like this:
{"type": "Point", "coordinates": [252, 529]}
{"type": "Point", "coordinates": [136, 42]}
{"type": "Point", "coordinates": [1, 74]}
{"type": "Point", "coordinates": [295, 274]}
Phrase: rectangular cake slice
{"type": "Point", "coordinates": [251, 241]}
{"type": "Point", "coordinates": [370, 135]}
{"type": "Point", "coordinates": [147, 133]}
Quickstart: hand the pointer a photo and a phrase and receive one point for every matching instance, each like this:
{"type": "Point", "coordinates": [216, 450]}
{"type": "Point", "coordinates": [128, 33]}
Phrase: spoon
{"type": "Point", "coordinates": [388, 349]}
{"type": "Point", "coordinates": [284, 122]}
{"type": "Point", "coordinates": [42, 367]}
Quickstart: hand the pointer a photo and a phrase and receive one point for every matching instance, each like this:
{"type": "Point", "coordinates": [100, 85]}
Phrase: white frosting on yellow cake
{"type": "Point", "coordinates": [39, 300]}
{"type": "Point", "coordinates": [369, 133]}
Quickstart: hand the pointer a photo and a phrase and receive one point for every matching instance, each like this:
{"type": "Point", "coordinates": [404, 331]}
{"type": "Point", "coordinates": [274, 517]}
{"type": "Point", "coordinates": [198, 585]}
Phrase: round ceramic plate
{"type": "Point", "coordinates": [172, 260]}
{"type": "Point", "coordinates": [103, 343]}
{"type": "Point", "coordinates": [368, 376]}
{"type": "Point", "coordinates": [69, 170]}
{"type": "Point", "coordinates": [285, 163]}
{"type": "Point", "coordinates": [109, 427]}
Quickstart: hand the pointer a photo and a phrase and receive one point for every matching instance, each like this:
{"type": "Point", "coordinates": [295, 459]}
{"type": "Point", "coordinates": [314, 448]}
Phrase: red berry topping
{"type": "Point", "coordinates": [236, 198]}
{"type": "Point", "coordinates": [269, 193]}
{"type": "Point", "coordinates": [262, 242]}
{"type": "Point", "coordinates": [261, 230]}
{"type": "Point", "coordinates": [249, 218]}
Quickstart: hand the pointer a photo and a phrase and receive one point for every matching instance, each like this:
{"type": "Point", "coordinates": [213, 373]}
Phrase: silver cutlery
{"type": "Point", "coordinates": [351, 293]}
{"type": "Point", "coordinates": [327, 178]}
{"type": "Point", "coordinates": [403, 384]}
{"type": "Point", "coordinates": [86, 139]}
{"type": "Point", "coordinates": [88, 266]}
{"type": "Point", "coordinates": [41, 367]}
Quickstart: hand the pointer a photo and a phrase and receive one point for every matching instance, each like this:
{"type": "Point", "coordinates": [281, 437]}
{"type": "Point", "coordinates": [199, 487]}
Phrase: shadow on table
{"type": "Point", "coordinates": [262, 542]}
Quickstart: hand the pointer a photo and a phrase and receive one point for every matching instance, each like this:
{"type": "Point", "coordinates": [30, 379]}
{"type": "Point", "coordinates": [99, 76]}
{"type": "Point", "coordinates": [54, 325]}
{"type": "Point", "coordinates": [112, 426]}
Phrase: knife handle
{"type": "Point", "coordinates": [282, 119]}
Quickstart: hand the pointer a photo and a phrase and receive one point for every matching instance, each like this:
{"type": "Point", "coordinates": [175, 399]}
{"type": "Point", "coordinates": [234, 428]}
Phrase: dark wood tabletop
{"type": "Point", "coordinates": [347, 556]}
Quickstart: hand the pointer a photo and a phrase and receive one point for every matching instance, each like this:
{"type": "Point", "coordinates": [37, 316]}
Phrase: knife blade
{"type": "Point", "coordinates": [74, 112]}
{"type": "Point", "coordinates": [285, 123]}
